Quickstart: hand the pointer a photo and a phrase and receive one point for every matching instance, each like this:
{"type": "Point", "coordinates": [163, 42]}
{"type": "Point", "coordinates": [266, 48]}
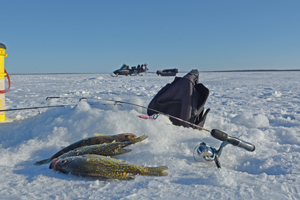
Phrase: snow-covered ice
{"type": "Point", "coordinates": [259, 107]}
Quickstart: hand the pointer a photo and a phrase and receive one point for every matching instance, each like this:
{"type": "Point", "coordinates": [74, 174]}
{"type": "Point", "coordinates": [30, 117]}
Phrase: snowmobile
{"type": "Point", "coordinates": [133, 71]}
{"type": "Point", "coordinates": [167, 72]}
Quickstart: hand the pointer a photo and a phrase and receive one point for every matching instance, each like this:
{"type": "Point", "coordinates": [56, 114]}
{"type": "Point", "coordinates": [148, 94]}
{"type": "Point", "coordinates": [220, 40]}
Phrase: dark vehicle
{"type": "Point", "coordinates": [167, 72]}
{"type": "Point", "coordinates": [133, 71]}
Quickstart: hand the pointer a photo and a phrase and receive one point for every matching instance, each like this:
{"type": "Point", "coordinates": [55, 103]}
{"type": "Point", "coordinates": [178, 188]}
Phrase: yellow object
{"type": "Point", "coordinates": [2, 81]}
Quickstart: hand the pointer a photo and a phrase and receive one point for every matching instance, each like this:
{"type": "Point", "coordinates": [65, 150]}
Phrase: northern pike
{"type": "Point", "coordinates": [98, 139]}
{"type": "Point", "coordinates": [107, 149]}
{"type": "Point", "coordinates": [101, 166]}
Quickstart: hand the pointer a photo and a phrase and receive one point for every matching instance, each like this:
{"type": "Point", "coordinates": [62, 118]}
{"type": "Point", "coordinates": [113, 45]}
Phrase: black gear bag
{"type": "Point", "coordinates": [184, 98]}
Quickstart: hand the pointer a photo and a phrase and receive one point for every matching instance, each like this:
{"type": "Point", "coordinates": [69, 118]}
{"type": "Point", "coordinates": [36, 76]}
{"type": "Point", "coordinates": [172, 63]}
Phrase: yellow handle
{"type": "Point", "coordinates": [2, 76]}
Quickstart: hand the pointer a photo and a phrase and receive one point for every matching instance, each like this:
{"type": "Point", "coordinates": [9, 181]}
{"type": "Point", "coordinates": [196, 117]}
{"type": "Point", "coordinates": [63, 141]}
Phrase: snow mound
{"type": "Point", "coordinates": [251, 121]}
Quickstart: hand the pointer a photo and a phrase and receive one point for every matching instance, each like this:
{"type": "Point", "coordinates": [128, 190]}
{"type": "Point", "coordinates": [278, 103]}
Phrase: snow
{"type": "Point", "coordinates": [258, 107]}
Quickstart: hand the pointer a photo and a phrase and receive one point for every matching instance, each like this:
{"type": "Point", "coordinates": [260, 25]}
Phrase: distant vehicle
{"type": "Point", "coordinates": [133, 71]}
{"type": "Point", "coordinates": [167, 72]}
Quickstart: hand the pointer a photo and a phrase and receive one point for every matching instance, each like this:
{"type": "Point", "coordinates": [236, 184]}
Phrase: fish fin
{"type": "Point", "coordinates": [120, 177]}
{"type": "Point", "coordinates": [99, 134]}
{"type": "Point", "coordinates": [155, 171]}
{"type": "Point", "coordinates": [41, 162]}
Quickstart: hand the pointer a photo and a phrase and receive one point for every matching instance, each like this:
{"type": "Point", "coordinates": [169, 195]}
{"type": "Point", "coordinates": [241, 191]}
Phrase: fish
{"type": "Point", "coordinates": [98, 139]}
{"type": "Point", "coordinates": [92, 165]}
{"type": "Point", "coordinates": [107, 149]}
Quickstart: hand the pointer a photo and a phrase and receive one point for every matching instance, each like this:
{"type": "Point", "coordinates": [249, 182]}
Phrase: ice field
{"type": "Point", "coordinates": [259, 107]}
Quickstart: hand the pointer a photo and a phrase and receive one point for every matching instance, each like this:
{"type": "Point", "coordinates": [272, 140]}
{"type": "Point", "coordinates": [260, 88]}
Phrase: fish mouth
{"type": "Point", "coordinates": [54, 164]}
{"type": "Point", "coordinates": [126, 136]}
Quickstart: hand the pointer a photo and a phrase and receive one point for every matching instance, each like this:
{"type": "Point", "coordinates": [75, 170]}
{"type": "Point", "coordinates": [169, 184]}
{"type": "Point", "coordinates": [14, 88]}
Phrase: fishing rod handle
{"type": "Point", "coordinates": [220, 135]}
{"type": "Point", "coordinates": [240, 143]}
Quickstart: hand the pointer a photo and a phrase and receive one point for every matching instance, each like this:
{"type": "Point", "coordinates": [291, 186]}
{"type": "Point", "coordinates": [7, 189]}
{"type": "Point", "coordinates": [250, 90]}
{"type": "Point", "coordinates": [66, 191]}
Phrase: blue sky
{"type": "Point", "coordinates": [93, 36]}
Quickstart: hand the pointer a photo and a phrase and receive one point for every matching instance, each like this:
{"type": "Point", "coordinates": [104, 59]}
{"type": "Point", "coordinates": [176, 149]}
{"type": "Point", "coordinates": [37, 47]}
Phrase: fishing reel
{"type": "Point", "coordinates": [211, 154]}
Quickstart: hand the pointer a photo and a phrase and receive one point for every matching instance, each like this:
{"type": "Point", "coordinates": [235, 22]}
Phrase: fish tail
{"type": "Point", "coordinates": [43, 161]}
{"type": "Point", "coordinates": [155, 171]}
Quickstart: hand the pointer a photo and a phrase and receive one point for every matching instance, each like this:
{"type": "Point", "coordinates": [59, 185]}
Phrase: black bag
{"type": "Point", "coordinates": [184, 98]}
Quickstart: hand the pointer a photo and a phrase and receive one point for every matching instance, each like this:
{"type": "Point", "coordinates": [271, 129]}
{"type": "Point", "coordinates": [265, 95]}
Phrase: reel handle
{"type": "Point", "coordinates": [220, 135]}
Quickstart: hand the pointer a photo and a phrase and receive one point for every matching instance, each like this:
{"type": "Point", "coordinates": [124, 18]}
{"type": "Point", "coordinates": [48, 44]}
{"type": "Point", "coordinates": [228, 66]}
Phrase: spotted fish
{"type": "Point", "coordinates": [98, 139]}
{"type": "Point", "coordinates": [107, 149]}
{"type": "Point", "coordinates": [101, 166]}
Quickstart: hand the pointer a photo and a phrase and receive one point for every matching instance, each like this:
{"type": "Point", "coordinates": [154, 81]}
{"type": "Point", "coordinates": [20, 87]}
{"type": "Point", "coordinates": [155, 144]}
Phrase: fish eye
{"type": "Point", "coordinates": [64, 162]}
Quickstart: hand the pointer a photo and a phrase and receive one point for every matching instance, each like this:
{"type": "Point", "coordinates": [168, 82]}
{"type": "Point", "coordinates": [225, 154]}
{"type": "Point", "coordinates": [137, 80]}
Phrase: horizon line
{"type": "Point", "coordinates": [246, 70]}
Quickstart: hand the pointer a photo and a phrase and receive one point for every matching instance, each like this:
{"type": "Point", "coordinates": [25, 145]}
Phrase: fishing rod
{"type": "Point", "coordinates": [220, 135]}
{"type": "Point", "coordinates": [15, 109]}
{"type": "Point", "coordinates": [133, 104]}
